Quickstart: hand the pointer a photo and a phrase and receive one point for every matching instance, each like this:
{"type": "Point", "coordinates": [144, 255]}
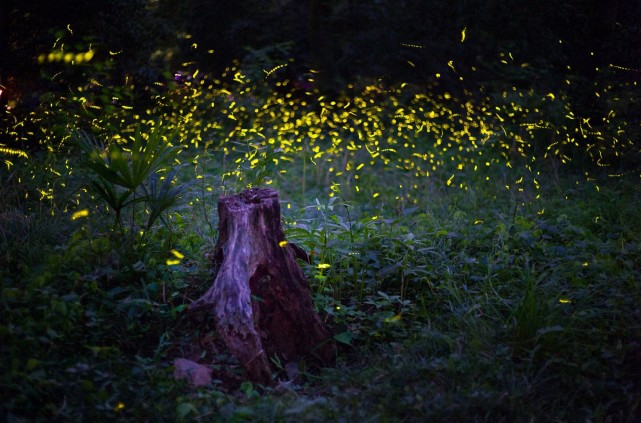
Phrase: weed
{"type": "Point", "coordinates": [464, 282]}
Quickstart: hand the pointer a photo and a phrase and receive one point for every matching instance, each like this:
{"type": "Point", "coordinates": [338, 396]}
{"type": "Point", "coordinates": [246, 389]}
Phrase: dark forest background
{"type": "Point", "coordinates": [463, 175]}
{"type": "Point", "coordinates": [341, 40]}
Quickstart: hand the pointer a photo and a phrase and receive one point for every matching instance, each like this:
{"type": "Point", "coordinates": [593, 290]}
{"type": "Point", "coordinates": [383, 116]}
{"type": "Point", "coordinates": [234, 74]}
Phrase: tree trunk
{"type": "Point", "coordinates": [260, 298]}
{"type": "Point", "coordinates": [4, 52]}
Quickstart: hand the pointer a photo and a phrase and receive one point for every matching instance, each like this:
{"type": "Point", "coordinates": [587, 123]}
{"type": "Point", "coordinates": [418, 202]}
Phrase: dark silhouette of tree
{"type": "Point", "coordinates": [401, 40]}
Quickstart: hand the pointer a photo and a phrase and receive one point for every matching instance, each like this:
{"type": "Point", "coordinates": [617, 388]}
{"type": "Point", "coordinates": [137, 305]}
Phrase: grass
{"type": "Point", "coordinates": [459, 289]}
{"type": "Point", "coordinates": [441, 319]}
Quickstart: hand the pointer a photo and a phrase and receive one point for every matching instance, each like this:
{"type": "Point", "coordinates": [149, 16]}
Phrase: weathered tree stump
{"type": "Point", "coordinates": [260, 298]}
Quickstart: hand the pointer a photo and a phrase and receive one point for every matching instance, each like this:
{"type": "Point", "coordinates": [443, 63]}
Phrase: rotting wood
{"type": "Point", "coordinates": [260, 299]}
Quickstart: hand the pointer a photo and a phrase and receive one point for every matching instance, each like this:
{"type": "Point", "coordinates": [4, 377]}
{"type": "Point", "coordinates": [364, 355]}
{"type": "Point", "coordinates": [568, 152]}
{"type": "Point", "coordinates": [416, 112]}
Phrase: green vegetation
{"type": "Point", "coordinates": [475, 249]}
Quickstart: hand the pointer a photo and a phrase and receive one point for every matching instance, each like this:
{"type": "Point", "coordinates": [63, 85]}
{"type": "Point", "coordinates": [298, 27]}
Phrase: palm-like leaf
{"type": "Point", "coordinates": [129, 170]}
{"type": "Point", "coordinates": [108, 192]}
{"type": "Point", "coordinates": [107, 165]}
{"type": "Point", "coordinates": [123, 173]}
{"type": "Point", "coordinates": [150, 156]}
{"type": "Point", "coordinates": [164, 197]}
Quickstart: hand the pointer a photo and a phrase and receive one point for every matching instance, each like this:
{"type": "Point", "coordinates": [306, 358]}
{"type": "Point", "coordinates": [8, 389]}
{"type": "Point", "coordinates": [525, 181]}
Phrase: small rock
{"type": "Point", "coordinates": [196, 374]}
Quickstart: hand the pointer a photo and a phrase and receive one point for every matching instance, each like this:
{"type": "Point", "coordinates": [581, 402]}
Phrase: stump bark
{"type": "Point", "coordinates": [260, 299]}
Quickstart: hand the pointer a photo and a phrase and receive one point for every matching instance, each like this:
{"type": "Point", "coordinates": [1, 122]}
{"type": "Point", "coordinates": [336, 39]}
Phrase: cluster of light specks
{"type": "Point", "coordinates": [360, 138]}
{"type": "Point", "coordinates": [372, 129]}
{"type": "Point", "coordinates": [371, 133]}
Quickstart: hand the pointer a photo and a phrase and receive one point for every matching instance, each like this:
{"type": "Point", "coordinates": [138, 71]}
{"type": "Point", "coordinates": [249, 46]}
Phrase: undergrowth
{"type": "Point", "coordinates": [463, 282]}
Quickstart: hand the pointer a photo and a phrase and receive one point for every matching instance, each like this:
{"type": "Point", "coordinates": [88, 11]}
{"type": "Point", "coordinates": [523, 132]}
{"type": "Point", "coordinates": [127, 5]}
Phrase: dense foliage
{"type": "Point", "coordinates": [472, 214]}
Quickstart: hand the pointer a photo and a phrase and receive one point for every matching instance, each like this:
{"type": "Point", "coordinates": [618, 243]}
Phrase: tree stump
{"type": "Point", "coordinates": [260, 298]}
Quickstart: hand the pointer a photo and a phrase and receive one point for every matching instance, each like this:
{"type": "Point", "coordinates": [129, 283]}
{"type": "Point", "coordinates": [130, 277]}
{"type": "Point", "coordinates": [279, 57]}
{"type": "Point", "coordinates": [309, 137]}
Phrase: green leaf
{"type": "Point", "coordinates": [549, 329]}
{"type": "Point", "coordinates": [163, 198]}
{"type": "Point", "coordinates": [184, 408]}
{"type": "Point", "coordinates": [31, 364]}
{"type": "Point", "coordinates": [344, 337]}
{"type": "Point", "coordinates": [108, 193]}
